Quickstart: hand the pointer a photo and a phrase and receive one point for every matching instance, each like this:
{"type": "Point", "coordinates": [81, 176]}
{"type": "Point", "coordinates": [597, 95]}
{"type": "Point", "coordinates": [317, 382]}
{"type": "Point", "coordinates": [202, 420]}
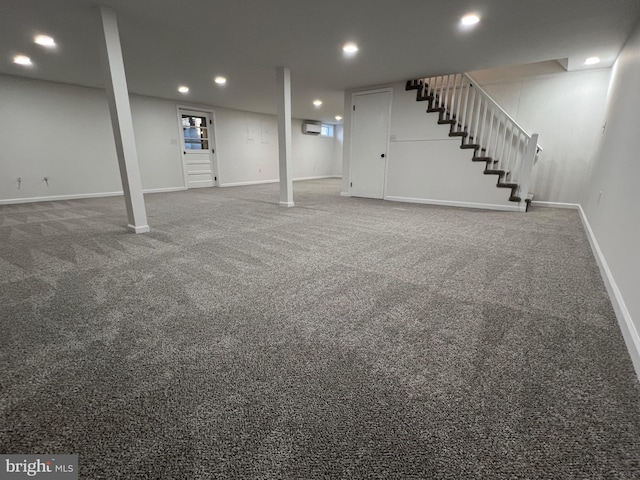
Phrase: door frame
{"type": "Point", "coordinates": [215, 164]}
{"type": "Point", "coordinates": [351, 130]}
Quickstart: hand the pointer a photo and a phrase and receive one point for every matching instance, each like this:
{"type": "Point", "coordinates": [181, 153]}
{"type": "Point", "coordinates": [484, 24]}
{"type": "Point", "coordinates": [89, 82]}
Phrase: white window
{"type": "Point", "coordinates": [195, 133]}
{"type": "Point", "coordinates": [326, 130]}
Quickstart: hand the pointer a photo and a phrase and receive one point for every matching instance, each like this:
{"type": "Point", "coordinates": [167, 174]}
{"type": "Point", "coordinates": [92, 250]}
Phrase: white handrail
{"type": "Point", "coordinates": [508, 149]}
{"type": "Point", "coordinates": [490, 99]}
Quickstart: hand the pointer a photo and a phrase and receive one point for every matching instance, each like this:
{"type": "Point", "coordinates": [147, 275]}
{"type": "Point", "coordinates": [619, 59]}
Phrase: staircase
{"type": "Point", "coordinates": [484, 127]}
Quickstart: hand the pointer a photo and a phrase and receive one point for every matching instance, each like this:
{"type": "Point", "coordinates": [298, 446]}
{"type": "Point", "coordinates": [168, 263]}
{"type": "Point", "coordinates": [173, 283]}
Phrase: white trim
{"type": "Point", "coordinates": [345, 194]}
{"type": "Point", "coordinates": [254, 182]}
{"type": "Point", "coordinates": [536, 203]}
{"type": "Point", "coordinates": [141, 229]}
{"type": "Point", "coordinates": [374, 91]}
{"type": "Point", "coordinates": [184, 153]}
{"type": "Point", "coordinates": [450, 203]}
{"type": "Point", "coordinates": [627, 327]}
{"type": "Point", "coordinates": [287, 204]}
{"type": "Point", "coordinates": [78, 196]}
{"type": "Point", "coordinates": [164, 190]}
{"type": "Point", "coordinates": [319, 177]}
{"type": "Point", "coordinates": [261, 182]}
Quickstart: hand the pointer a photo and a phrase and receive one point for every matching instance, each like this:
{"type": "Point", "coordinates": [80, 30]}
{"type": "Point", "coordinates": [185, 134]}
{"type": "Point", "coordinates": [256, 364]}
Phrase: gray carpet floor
{"type": "Point", "coordinates": [344, 338]}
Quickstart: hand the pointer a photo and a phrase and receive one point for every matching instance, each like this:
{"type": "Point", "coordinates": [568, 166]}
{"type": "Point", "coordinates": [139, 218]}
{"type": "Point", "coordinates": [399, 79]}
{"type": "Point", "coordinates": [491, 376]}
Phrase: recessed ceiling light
{"type": "Point", "coordinates": [317, 103]}
{"type": "Point", "coordinates": [350, 48]}
{"type": "Point", "coordinates": [220, 80]}
{"type": "Point", "coordinates": [22, 60]}
{"type": "Point", "coordinates": [470, 19]}
{"type": "Point", "coordinates": [592, 61]}
{"type": "Point", "coordinates": [45, 41]}
{"type": "Point", "coordinates": [338, 117]}
{"type": "Point", "coordinates": [183, 89]}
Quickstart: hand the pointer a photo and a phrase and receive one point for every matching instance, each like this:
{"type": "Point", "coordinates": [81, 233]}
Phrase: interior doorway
{"type": "Point", "coordinates": [198, 149]}
{"type": "Point", "coordinates": [369, 141]}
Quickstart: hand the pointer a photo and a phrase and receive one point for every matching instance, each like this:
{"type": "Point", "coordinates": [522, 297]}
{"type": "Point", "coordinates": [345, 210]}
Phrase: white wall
{"type": "Point", "coordinates": [247, 146]}
{"type": "Point", "coordinates": [613, 216]}
{"type": "Point", "coordinates": [157, 139]}
{"type": "Point", "coordinates": [567, 110]}
{"type": "Point", "coordinates": [310, 153]}
{"type": "Point", "coordinates": [63, 132]}
{"type": "Point", "coordinates": [54, 130]}
{"type": "Point", "coordinates": [424, 164]}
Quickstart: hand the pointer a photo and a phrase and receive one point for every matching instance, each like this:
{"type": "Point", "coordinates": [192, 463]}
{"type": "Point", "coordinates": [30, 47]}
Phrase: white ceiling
{"type": "Point", "coordinates": [167, 43]}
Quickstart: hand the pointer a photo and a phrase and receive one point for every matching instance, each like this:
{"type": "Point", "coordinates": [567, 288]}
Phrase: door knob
{"type": "Point", "coordinates": [382, 156]}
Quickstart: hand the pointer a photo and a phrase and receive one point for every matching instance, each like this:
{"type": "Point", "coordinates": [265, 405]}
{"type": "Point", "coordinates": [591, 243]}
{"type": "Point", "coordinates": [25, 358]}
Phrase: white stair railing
{"type": "Point", "coordinates": [509, 150]}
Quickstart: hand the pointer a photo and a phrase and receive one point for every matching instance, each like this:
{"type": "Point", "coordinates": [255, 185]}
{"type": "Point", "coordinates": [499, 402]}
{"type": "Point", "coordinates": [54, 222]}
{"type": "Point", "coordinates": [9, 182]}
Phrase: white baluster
{"type": "Point", "coordinates": [455, 102]}
{"type": "Point", "coordinates": [446, 95]}
{"type": "Point", "coordinates": [483, 129]}
{"type": "Point", "coordinates": [464, 108]}
{"type": "Point", "coordinates": [490, 146]}
{"type": "Point", "coordinates": [477, 140]}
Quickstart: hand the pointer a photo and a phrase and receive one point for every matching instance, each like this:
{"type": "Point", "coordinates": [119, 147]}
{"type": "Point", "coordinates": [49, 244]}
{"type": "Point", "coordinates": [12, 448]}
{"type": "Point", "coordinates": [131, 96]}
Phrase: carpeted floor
{"type": "Point", "coordinates": [344, 338]}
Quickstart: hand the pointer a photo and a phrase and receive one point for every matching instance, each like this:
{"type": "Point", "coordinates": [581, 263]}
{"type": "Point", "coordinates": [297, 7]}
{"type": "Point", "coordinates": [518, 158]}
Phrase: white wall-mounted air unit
{"type": "Point", "coordinates": [311, 128]}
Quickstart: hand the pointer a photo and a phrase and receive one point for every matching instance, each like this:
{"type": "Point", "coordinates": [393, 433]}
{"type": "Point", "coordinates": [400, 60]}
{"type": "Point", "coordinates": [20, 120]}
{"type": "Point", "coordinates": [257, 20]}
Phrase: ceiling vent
{"type": "Point", "coordinates": [311, 128]}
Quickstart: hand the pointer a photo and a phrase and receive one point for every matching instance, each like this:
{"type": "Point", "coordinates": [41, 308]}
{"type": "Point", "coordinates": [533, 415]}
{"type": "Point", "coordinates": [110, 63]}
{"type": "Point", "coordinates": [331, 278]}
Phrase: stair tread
{"type": "Point", "coordinates": [480, 158]}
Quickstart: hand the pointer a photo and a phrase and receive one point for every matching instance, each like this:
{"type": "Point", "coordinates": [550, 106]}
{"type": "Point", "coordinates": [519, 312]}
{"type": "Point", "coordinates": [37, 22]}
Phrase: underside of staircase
{"type": "Point", "coordinates": [427, 93]}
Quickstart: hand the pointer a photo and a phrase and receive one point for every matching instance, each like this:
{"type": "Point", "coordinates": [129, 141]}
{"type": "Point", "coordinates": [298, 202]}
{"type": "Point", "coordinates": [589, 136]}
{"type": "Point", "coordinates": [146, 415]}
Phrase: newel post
{"type": "Point", "coordinates": [527, 167]}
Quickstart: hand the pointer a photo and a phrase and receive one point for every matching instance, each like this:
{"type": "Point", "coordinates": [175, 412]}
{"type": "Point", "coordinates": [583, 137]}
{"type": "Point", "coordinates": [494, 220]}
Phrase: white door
{"type": "Point", "coordinates": [369, 139]}
{"type": "Point", "coordinates": [197, 148]}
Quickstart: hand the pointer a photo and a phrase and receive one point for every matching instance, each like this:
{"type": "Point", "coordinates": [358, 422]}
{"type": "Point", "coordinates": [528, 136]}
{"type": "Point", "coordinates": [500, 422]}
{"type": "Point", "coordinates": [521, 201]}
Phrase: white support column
{"type": "Point", "coordinates": [283, 86]}
{"type": "Point", "coordinates": [121, 121]}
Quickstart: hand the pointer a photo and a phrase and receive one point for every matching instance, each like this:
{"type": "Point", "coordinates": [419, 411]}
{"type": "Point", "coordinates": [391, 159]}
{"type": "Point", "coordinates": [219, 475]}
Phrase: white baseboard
{"type": "Point", "coordinates": [573, 206]}
{"type": "Point", "coordinates": [451, 203]}
{"type": "Point", "coordinates": [53, 198]}
{"type": "Point", "coordinates": [164, 190]}
{"type": "Point", "coordinates": [139, 229]}
{"type": "Point", "coordinates": [243, 184]}
{"type": "Point", "coordinates": [261, 182]}
{"type": "Point", "coordinates": [78, 196]}
{"type": "Point", "coordinates": [345, 194]}
{"type": "Point", "coordinates": [320, 177]}
{"type": "Point", "coordinates": [629, 331]}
